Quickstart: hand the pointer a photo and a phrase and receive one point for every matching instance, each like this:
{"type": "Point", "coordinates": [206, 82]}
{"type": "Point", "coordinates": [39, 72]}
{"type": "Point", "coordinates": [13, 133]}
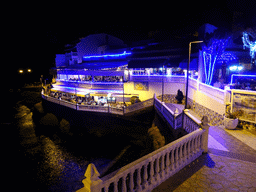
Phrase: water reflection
{"type": "Point", "coordinates": [48, 165]}
{"type": "Point", "coordinates": [60, 168]}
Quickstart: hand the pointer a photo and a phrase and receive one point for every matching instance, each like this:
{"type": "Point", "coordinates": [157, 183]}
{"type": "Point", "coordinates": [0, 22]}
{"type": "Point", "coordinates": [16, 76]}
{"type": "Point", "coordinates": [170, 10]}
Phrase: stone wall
{"type": "Point", "coordinates": [214, 118]}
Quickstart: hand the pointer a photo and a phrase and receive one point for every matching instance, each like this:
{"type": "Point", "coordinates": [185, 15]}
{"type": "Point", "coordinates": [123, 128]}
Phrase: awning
{"type": "Point", "coordinates": [154, 63]}
{"type": "Point", "coordinates": [103, 64]}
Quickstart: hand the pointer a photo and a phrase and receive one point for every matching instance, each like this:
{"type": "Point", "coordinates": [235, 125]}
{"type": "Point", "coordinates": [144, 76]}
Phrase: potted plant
{"type": "Point", "coordinates": [231, 119]}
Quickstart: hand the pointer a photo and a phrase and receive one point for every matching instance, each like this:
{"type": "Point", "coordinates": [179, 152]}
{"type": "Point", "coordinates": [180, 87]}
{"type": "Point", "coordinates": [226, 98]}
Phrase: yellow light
{"type": "Point", "coordinates": [29, 70]}
{"type": "Point", "coordinates": [20, 71]}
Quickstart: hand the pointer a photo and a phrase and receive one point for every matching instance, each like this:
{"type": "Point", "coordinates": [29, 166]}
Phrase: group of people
{"type": "Point", "coordinates": [87, 100]}
{"type": "Point", "coordinates": [88, 78]}
{"type": "Point", "coordinates": [107, 78]}
{"type": "Point", "coordinates": [244, 86]}
{"type": "Point", "coordinates": [98, 78]}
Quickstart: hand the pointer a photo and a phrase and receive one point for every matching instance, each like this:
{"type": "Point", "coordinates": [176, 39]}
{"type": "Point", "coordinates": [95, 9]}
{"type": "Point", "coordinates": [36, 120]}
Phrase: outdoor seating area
{"type": "Point", "coordinates": [87, 100]}
{"type": "Point", "coordinates": [108, 79]}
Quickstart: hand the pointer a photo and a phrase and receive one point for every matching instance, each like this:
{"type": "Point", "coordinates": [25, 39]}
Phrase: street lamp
{"type": "Point", "coordinates": [189, 53]}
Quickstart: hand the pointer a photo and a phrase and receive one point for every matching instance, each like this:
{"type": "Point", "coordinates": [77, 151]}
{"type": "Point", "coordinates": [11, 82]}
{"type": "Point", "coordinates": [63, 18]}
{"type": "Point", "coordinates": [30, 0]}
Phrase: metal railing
{"type": "Point", "coordinates": [120, 110]}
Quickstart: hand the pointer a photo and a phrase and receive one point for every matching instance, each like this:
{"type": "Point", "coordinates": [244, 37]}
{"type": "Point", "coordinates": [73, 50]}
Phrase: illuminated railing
{"type": "Point", "coordinates": [158, 78]}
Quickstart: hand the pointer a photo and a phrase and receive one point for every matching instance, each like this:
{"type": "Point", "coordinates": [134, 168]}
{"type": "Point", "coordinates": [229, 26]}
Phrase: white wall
{"type": "Point", "coordinates": [207, 96]}
{"type": "Point", "coordinates": [154, 87]}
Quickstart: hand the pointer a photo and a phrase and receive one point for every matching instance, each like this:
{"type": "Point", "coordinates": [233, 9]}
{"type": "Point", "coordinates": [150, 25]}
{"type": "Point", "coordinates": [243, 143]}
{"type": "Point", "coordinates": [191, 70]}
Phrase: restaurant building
{"type": "Point", "coordinates": [103, 70]}
{"type": "Point", "coordinates": [110, 69]}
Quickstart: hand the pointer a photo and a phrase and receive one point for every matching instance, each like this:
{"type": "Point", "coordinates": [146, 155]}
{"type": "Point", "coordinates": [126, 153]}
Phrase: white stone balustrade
{"type": "Point", "coordinates": [173, 117]}
{"type": "Point", "coordinates": [151, 170]}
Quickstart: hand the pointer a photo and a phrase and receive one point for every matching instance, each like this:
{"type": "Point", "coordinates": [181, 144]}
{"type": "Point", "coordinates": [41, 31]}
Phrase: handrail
{"type": "Point", "coordinates": [160, 165]}
{"type": "Point", "coordinates": [102, 109]}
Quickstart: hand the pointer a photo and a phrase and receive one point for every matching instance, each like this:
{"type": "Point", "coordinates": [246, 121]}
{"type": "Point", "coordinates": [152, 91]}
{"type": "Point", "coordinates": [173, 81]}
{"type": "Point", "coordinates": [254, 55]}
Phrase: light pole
{"type": "Point", "coordinates": [163, 84]}
{"type": "Point", "coordinates": [189, 53]}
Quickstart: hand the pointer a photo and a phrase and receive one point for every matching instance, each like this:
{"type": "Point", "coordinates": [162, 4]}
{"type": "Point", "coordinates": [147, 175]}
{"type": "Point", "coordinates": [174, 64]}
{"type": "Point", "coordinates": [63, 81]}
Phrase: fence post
{"type": "Point", "coordinates": [176, 113]}
{"type": "Point", "coordinates": [154, 101]}
{"type": "Point", "coordinates": [205, 126]}
{"type": "Point", "coordinates": [92, 180]}
{"type": "Point", "coordinates": [162, 107]}
{"type": "Point", "coordinates": [184, 118]}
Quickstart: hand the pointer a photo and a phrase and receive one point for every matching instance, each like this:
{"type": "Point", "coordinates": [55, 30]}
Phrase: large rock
{"type": "Point", "coordinates": [39, 107]}
{"type": "Point", "coordinates": [156, 137]}
{"type": "Point", "coordinates": [49, 124]}
{"type": "Point", "coordinates": [49, 120]}
{"type": "Point", "coordinates": [38, 113]}
{"type": "Point", "coordinates": [65, 127]}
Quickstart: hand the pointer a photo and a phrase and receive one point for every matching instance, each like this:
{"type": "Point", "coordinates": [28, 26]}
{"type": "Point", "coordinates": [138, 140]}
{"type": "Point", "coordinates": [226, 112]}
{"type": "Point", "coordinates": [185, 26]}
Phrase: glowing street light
{"type": "Point", "coordinates": [29, 70]}
{"type": "Point", "coordinates": [20, 71]}
{"type": "Point", "coordinates": [189, 53]}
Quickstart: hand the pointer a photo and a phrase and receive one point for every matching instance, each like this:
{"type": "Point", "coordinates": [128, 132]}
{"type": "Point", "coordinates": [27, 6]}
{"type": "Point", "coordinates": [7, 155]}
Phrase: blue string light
{"type": "Point", "coordinates": [250, 44]}
{"type": "Point", "coordinates": [110, 55]}
{"type": "Point", "coordinates": [210, 55]}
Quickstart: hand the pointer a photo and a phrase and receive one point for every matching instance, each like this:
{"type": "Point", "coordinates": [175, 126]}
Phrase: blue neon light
{"type": "Point", "coordinates": [110, 55]}
{"type": "Point", "coordinates": [212, 53]}
{"type": "Point", "coordinates": [226, 57]}
{"type": "Point", "coordinates": [250, 44]}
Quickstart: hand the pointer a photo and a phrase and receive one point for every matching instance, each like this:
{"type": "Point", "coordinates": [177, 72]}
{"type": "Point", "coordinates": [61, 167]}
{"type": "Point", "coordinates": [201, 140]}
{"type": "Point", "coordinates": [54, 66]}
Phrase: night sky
{"type": "Point", "coordinates": [36, 34]}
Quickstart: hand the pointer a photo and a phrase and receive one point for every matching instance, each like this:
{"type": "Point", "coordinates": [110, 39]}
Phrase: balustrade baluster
{"type": "Point", "coordinates": [162, 166]}
{"type": "Point", "coordinates": [139, 180]}
{"type": "Point", "coordinates": [157, 169]}
{"type": "Point", "coordinates": [131, 184]}
{"type": "Point", "coordinates": [181, 155]}
{"type": "Point", "coordinates": [185, 152]}
{"type": "Point", "coordinates": [145, 176]}
{"type": "Point", "coordinates": [177, 157]}
{"type": "Point", "coordinates": [189, 149]}
{"type": "Point", "coordinates": [198, 143]}
{"type": "Point", "coordinates": [152, 179]}
{"type": "Point", "coordinates": [124, 189]}
{"type": "Point", "coordinates": [193, 146]}
{"type": "Point", "coordinates": [115, 186]}
{"type": "Point", "coordinates": [167, 170]}
{"type": "Point", "coordinates": [172, 159]}
{"type": "Point", "coordinates": [106, 188]}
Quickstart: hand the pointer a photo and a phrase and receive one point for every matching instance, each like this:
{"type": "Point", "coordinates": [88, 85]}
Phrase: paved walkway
{"type": "Point", "coordinates": [230, 165]}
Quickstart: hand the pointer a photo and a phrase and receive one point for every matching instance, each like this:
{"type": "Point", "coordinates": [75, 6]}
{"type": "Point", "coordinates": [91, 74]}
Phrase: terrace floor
{"type": "Point", "coordinates": [229, 165]}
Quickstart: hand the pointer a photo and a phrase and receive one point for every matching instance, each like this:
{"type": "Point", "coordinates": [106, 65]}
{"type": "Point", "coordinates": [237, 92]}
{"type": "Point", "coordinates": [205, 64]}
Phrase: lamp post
{"type": "Point", "coordinates": [163, 84]}
{"type": "Point", "coordinates": [189, 53]}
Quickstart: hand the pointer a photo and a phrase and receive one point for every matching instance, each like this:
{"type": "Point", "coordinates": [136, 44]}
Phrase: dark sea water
{"type": "Point", "coordinates": [51, 162]}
